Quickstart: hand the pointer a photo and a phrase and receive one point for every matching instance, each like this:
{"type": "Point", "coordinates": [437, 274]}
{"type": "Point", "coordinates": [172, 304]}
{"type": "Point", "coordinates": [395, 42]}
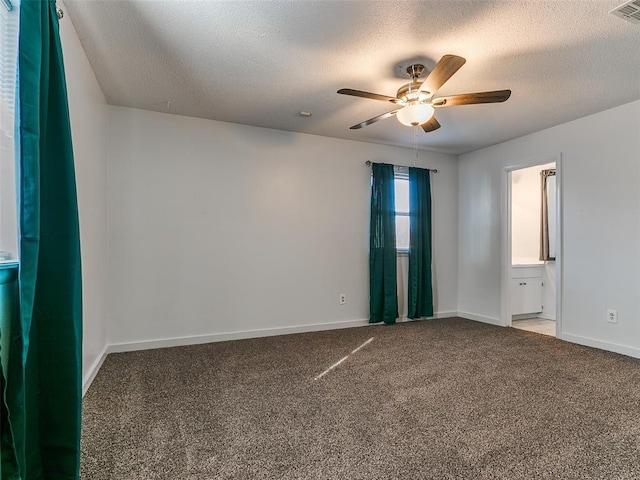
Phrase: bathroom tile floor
{"type": "Point", "coordinates": [536, 325]}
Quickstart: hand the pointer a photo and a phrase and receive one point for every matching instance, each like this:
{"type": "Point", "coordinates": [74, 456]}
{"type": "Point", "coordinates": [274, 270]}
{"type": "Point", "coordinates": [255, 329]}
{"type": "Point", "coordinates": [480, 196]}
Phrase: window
{"type": "Point", "coordinates": [9, 23]}
{"type": "Point", "coordinates": [401, 184]}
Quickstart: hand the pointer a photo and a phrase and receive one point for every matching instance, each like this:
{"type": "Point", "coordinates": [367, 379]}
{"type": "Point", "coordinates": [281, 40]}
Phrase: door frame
{"type": "Point", "coordinates": [505, 250]}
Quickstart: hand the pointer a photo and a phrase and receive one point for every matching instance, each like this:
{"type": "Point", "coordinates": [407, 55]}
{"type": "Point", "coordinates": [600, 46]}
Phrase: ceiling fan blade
{"type": "Point", "coordinates": [443, 71]}
{"type": "Point", "coordinates": [430, 125]}
{"type": "Point", "coordinates": [497, 96]}
{"type": "Point", "coordinates": [360, 93]}
{"type": "Point", "coordinates": [375, 119]}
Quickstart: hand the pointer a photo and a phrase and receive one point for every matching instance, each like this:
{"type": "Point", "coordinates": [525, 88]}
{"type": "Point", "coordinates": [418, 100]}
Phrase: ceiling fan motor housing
{"type": "Point", "coordinates": [411, 93]}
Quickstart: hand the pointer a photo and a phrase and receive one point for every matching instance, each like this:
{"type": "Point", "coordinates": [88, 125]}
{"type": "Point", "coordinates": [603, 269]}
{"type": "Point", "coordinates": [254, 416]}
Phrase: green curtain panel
{"type": "Point", "coordinates": [44, 388]}
{"type": "Point", "coordinates": [420, 286]}
{"type": "Point", "coordinates": [383, 290]}
{"type": "Point", "coordinates": [9, 319]}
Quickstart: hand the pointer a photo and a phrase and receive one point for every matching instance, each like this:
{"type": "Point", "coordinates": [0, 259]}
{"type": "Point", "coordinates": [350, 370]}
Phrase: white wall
{"type": "Point", "coordinates": [601, 225]}
{"type": "Point", "coordinates": [549, 291]}
{"type": "Point", "coordinates": [88, 112]}
{"type": "Point", "coordinates": [218, 228]}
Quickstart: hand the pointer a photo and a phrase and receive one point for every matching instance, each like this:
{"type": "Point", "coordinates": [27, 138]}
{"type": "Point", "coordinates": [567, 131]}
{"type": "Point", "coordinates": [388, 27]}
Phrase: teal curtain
{"type": "Point", "coordinates": [9, 319]}
{"type": "Point", "coordinates": [420, 286]}
{"type": "Point", "coordinates": [44, 390]}
{"type": "Point", "coordinates": [383, 292]}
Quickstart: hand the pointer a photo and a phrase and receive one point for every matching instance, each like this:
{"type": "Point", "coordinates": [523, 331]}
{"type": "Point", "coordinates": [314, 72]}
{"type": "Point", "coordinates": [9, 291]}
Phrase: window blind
{"type": "Point", "coordinates": [9, 25]}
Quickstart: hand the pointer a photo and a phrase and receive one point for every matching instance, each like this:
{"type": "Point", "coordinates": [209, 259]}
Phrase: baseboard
{"type": "Point", "coordinates": [93, 370]}
{"type": "Point", "coordinates": [221, 337]}
{"type": "Point", "coordinates": [591, 342]}
{"type": "Point", "coordinates": [525, 316]}
{"type": "Point", "coordinates": [436, 315]}
{"type": "Point", "coordinates": [240, 335]}
{"type": "Point", "coordinates": [481, 318]}
{"type": "Point", "coordinates": [547, 316]}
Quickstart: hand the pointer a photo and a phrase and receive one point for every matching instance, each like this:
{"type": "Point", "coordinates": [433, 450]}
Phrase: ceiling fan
{"type": "Point", "coordinates": [416, 102]}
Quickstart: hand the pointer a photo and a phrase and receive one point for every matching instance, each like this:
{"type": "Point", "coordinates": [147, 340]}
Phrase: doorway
{"type": "Point", "coordinates": [531, 287]}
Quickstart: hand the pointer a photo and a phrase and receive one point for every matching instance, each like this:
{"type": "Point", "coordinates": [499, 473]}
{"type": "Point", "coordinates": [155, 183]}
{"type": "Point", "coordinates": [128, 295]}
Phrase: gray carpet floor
{"type": "Point", "coordinates": [439, 399]}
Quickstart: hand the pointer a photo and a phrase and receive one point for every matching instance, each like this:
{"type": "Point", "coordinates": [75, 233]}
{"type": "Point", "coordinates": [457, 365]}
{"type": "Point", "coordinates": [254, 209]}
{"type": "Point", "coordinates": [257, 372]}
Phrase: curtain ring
{"type": "Point", "coordinates": [59, 12]}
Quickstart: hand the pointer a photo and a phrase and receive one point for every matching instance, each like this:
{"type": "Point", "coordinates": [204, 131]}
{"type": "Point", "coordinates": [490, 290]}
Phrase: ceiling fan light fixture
{"type": "Point", "coordinates": [416, 114]}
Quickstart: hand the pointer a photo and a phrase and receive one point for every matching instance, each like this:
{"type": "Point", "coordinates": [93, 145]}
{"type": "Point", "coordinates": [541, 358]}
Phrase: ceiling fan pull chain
{"type": "Point", "coordinates": [415, 145]}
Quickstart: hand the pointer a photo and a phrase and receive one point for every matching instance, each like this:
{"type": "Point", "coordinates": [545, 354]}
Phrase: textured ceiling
{"type": "Point", "coordinates": [261, 62]}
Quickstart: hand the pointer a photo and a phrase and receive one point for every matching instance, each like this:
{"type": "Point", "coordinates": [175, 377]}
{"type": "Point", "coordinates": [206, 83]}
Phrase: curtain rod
{"type": "Point", "coordinates": [368, 163]}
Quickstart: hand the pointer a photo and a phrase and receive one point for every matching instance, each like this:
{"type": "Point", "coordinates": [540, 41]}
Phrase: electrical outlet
{"type": "Point", "coordinates": [342, 298]}
{"type": "Point", "coordinates": [612, 316]}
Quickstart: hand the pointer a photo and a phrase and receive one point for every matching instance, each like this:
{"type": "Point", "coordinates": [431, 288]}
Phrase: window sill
{"type": "Point", "coordinates": [8, 272]}
{"type": "Point", "coordinates": [402, 253]}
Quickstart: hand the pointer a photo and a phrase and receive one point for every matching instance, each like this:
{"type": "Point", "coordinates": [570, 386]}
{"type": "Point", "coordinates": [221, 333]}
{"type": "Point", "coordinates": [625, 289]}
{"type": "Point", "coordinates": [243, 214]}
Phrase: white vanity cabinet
{"type": "Point", "coordinates": [526, 289]}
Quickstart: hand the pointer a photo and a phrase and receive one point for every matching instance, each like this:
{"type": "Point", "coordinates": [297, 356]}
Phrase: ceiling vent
{"type": "Point", "coordinates": [629, 11]}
